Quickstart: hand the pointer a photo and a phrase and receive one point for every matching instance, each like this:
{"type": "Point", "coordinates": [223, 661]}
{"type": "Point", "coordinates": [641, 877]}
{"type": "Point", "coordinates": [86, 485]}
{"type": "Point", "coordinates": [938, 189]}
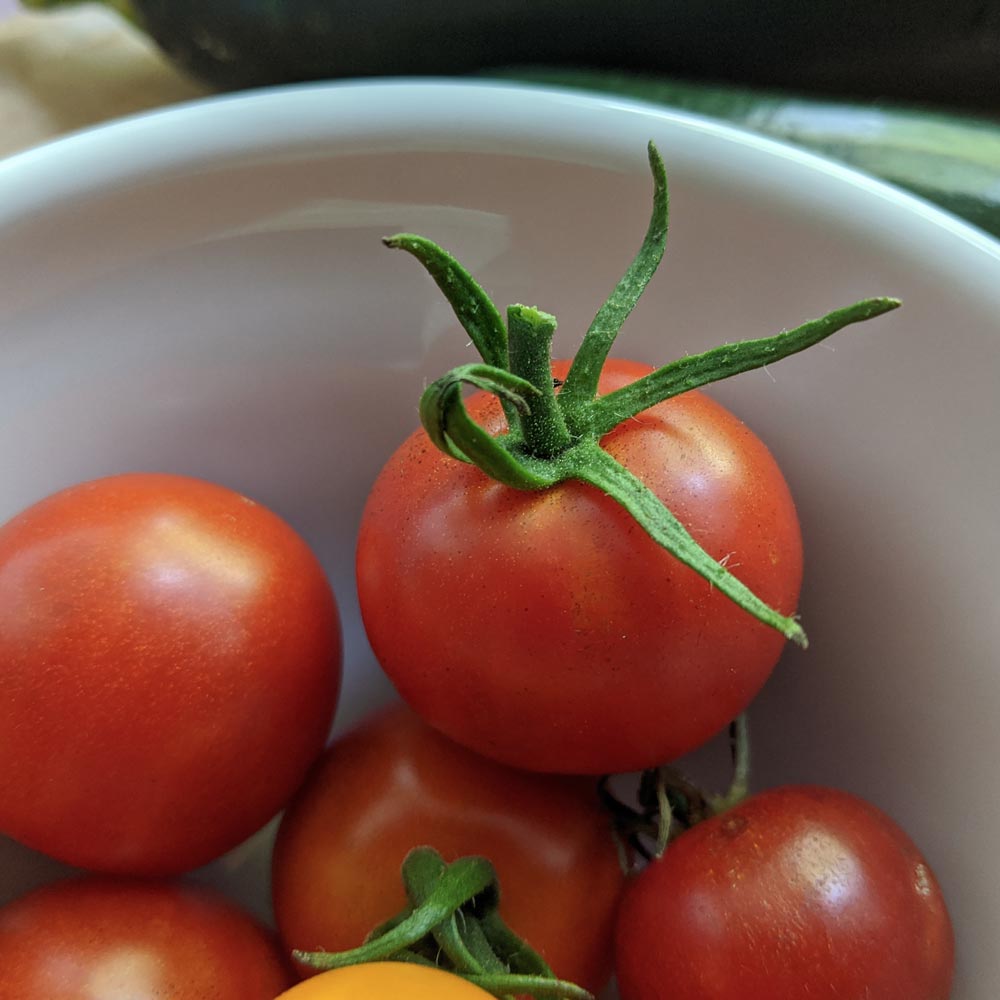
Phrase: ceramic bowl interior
{"type": "Point", "coordinates": [204, 291]}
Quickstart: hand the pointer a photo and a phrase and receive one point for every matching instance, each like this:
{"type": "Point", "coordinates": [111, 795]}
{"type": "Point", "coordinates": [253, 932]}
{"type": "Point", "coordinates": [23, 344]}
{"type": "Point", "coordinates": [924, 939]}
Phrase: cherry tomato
{"type": "Point", "coordinates": [797, 892]}
{"type": "Point", "coordinates": [170, 658]}
{"type": "Point", "coordinates": [394, 784]}
{"type": "Point", "coordinates": [102, 939]}
{"type": "Point", "coordinates": [545, 628]}
{"type": "Point", "coordinates": [384, 980]}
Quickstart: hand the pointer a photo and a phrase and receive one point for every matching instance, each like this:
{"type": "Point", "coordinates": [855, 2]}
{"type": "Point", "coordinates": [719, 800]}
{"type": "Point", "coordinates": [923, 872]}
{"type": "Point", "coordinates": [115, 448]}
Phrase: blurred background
{"type": "Point", "coordinates": [906, 90]}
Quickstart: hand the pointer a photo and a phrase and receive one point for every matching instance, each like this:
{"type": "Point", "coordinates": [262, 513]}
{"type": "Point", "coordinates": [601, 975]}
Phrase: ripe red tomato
{"type": "Point", "coordinates": [101, 939]}
{"type": "Point", "coordinates": [797, 892]}
{"type": "Point", "coordinates": [546, 629]}
{"type": "Point", "coordinates": [170, 661]}
{"type": "Point", "coordinates": [394, 784]}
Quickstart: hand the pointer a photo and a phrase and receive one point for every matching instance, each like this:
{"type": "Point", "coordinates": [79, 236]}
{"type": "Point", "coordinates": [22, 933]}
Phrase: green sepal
{"type": "Point", "coordinates": [725, 361]}
{"type": "Point", "coordinates": [450, 428]}
{"type": "Point", "coordinates": [422, 869]}
{"type": "Point", "coordinates": [451, 921]}
{"type": "Point", "coordinates": [580, 387]}
{"type": "Point", "coordinates": [504, 984]}
{"type": "Point", "coordinates": [458, 883]}
{"type": "Point", "coordinates": [473, 308]}
{"type": "Point", "coordinates": [592, 464]}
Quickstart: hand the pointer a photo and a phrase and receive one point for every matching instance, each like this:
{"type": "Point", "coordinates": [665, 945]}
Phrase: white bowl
{"type": "Point", "coordinates": [203, 290]}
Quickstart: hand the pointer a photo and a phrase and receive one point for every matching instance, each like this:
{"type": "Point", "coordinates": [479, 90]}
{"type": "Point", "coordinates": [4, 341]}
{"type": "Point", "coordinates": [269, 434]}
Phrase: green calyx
{"type": "Point", "coordinates": [452, 921]}
{"type": "Point", "coordinates": [668, 803]}
{"type": "Point", "coordinates": [554, 436]}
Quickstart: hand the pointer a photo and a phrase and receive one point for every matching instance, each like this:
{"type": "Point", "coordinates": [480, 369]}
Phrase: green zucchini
{"type": "Point", "coordinates": [952, 160]}
{"type": "Point", "coordinates": [923, 50]}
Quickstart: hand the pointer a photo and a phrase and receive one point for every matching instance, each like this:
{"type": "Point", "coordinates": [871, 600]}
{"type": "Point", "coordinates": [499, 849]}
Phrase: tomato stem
{"type": "Point", "coordinates": [666, 815]}
{"type": "Point", "coordinates": [670, 803]}
{"type": "Point", "coordinates": [554, 437]}
{"type": "Point", "coordinates": [739, 786]}
{"type": "Point", "coordinates": [453, 922]}
{"type": "Point", "coordinates": [543, 425]}
{"type": "Point", "coordinates": [457, 884]}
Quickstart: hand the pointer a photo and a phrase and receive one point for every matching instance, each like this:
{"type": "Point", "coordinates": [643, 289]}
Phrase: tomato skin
{"type": "Point", "coordinates": [394, 784]}
{"type": "Point", "coordinates": [170, 659]}
{"type": "Point", "coordinates": [797, 892]}
{"type": "Point", "coordinates": [96, 938]}
{"type": "Point", "coordinates": [546, 629]}
{"type": "Point", "coordinates": [382, 980]}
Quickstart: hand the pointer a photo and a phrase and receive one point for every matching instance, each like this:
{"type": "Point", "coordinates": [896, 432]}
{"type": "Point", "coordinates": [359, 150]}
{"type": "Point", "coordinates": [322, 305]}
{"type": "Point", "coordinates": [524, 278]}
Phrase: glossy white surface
{"type": "Point", "coordinates": [204, 291]}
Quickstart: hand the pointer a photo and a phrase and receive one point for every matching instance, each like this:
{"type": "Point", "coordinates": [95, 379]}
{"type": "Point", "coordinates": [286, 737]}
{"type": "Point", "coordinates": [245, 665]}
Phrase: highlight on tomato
{"type": "Point", "coordinates": [171, 660]}
{"type": "Point", "coordinates": [381, 980]}
{"type": "Point", "coordinates": [394, 784]}
{"type": "Point", "coordinates": [99, 937]}
{"type": "Point", "coordinates": [795, 892]}
{"type": "Point", "coordinates": [589, 568]}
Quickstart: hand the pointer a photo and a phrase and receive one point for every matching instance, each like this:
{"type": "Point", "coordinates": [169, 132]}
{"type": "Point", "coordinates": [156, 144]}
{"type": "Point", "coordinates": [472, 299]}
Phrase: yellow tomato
{"type": "Point", "coordinates": [385, 981]}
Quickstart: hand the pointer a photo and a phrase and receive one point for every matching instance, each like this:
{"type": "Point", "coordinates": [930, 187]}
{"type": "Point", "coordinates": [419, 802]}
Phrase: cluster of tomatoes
{"type": "Point", "coordinates": [170, 664]}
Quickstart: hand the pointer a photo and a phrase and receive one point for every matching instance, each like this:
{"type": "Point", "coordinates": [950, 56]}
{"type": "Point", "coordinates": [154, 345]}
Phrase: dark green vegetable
{"type": "Point", "coordinates": [927, 52]}
{"type": "Point", "coordinates": [951, 160]}
{"type": "Point", "coordinates": [938, 51]}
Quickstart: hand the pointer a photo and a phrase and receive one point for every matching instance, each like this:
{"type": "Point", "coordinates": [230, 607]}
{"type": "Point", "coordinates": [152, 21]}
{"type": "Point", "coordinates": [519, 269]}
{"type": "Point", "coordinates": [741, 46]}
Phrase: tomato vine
{"type": "Point", "coordinates": [553, 437]}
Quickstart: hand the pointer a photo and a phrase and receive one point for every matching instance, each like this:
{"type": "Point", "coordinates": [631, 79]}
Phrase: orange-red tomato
{"type": "Point", "coordinates": [394, 784]}
{"type": "Point", "coordinates": [170, 661]}
{"type": "Point", "coordinates": [109, 939]}
{"type": "Point", "coordinates": [545, 628]}
{"type": "Point", "coordinates": [385, 981]}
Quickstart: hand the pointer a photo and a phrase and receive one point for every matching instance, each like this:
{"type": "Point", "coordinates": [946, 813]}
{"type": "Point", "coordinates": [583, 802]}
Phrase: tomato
{"type": "Point", "coordinates": [170, 661]}
{"type": "Point", "coordinates": [545, 628]}
{"type": "Point", "coordinates": [101, 939]}
{"type": "Point", "coordinates": [394, 784]}
{"type": "Point", "coordinates": [382, 980]}
{"type": "Point", "coordinates": [797, 892]}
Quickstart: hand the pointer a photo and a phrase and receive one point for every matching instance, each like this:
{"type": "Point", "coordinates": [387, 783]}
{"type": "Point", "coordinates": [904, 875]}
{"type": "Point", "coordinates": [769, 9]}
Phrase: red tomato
{"type": "Point", "coordinates": [170, 658]}
{"type": "Point", "coordinates": [107, 939]}
{"type": "Point", "coordinates": [797, 892]}
{"type": "Point", "coordinates": [546, 629]}
{"type": "Point", "coordinates": [394, 784]}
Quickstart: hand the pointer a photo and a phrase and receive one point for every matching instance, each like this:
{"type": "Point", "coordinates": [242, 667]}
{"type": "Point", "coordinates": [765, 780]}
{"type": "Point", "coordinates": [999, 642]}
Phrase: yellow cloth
{"type": "Point", "coordinates": [66, 69]}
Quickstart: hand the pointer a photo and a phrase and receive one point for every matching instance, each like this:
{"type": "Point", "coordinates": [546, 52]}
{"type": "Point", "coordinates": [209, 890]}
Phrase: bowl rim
{"type": "Point", "coordinates": [436, 114]}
